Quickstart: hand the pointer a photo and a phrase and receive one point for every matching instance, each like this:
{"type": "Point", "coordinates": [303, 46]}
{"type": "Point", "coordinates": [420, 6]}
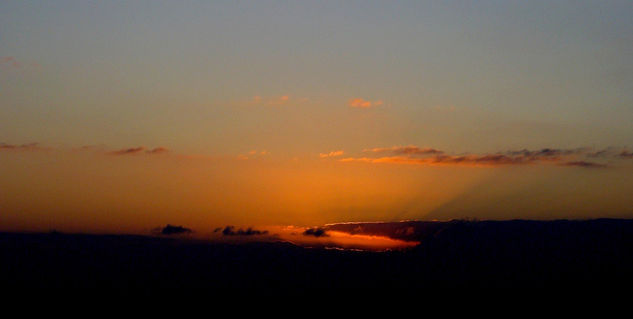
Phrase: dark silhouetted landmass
{"type": "Point", "coordinates": [454, 256]}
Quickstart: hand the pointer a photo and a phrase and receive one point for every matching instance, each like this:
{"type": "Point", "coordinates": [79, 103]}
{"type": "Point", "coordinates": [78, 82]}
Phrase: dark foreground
{"type": "Point", "coordinates": [512, 255]}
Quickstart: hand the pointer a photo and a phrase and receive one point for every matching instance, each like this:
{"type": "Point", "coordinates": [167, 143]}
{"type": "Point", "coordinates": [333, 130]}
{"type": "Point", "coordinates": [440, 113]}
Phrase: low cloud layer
{"type": "Point", "coordinates": [231, 231]}
{"type": "Point", "coordinates": [414, 155]}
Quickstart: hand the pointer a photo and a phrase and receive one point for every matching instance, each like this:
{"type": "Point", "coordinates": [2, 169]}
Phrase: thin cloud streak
{"type": "Point", "coordinates": [413, 155]}
{"type": "Point", "coordinates": [331, 154]}
{"type": "Point", "coordinates": [22, 147]}
{"type": "Point", "coordinates": [364, 104]}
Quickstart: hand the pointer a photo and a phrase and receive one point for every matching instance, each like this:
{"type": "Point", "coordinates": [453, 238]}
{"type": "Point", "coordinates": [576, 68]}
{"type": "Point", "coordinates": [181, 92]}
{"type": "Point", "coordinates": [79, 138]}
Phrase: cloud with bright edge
{"type": "Point", "coordinates": [362, 103]}
{"type": "Point", "coordinates": [331, 154]}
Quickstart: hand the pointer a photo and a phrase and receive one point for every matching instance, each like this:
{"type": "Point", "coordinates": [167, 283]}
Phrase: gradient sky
{"type": "Point", "coordinates": [299, 113]}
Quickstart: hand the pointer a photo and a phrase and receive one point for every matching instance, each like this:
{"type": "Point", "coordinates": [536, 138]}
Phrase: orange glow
{"type": "Point", "coordinates": [338, 239]}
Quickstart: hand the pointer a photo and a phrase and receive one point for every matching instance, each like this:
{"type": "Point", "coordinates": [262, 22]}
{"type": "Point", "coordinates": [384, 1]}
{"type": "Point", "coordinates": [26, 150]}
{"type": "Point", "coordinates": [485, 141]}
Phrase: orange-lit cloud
{"type": "Point", "coordinates": [331, 154]}
{"type": "Point", "coordinates": [253, 153]}
{"type": "Point", "coordinates": [158, 150]}
{"type": "Point", "coordinates": [414, 155]}
{"type": "Point", "coordinates": [327, 238]}
{"type": "Point", "coordinates": [360, 103]}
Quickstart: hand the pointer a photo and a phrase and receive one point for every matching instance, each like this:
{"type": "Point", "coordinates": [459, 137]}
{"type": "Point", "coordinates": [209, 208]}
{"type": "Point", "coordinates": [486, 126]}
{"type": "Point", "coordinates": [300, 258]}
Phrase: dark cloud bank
{"type": "Point", "coordinates": [231, 231]}
{"type": "Point", "coordinates": [173, 230]}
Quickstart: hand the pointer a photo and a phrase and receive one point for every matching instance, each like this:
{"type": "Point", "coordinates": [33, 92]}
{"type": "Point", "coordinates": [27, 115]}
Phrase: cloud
{"type": "Point", "coordinates": [22, 147]}
{"type": "Point", "coordinates": [230, 231]}
{"type": "Point", "coordinates": [253, 153]}
{"type": "Point", "coordinates": [584, 164]}
{"type": "Point", "coordinates": [129, 151]}
{"type": "Point", "coordinates": [360, 103]}
{"type": "Point", "coordinates": [157, 150]}
{"type": "Point", "coordinates": [548, 152]}
{"type": "Point", "coordinates": [316, 232]}
{"type": "Point", "coordinates": [414, 155]}
{"type": "Point", "coordinates": [465, 160]}
{"type": "Point", "coordinates": [140, 150]}
{"type": "Point", "coordinates": [411, 150]}
{"type": "Point", "coordinates": [174, 230]}
{"type": "Point", "coordinates": [331, 154]}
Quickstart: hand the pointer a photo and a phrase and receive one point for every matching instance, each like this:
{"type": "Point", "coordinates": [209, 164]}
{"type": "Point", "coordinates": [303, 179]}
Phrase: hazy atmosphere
{"type": "Point", "coordinates": [122, 116]}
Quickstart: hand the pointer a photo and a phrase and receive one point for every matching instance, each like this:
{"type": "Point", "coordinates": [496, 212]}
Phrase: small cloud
{"type": "Point", "coordinates": [410, 150]}
{"type": "Point", "coordinates": [129, 151]}
{"type": "Point", "coordinates": [230, 231]}
{"type": "Point", "coordinates": [157, 150]}
{"type": "Point", "coordinates": [331, 154]}
{"type": "Point", "coordinates": [22, 147]}
{"type": "Point", "coordinates": [140, 150]}
{"type": "Point", "coordinates": [359, 103]}
{"type": "Point", "coordinates": [316, 232]}
{"type": "Point", "coordinates": [253, 153]}
{"type": "Point", "coordinates": [174, 230]}
{"type": "Point", "coordinates": [584, 164]}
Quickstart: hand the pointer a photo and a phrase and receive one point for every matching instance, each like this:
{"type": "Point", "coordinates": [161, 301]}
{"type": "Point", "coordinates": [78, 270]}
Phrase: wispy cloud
{"type": "Point", "coordinates": [22, 147]}
{"type": "Point", "coordinates": [413, 155]}
{"type": "Point", "coordinates": [362, 103]}
{"type": "Point", "coordinates": [253, 154]}
{"type": "Point", "coordinates": [129, 151]}
{"type": "Point", "coordinates": [158, 150]}
{"type": "Point", "coordinates": [584, 164]}
{"type": "Point", "coordinates": [331, 154]}
{"type": "Point", "coordinates": [231, 231]}
{"type": "Point", "coordinates": [411, 149]}
{"type": "Point", "coordinates": [140, 150]}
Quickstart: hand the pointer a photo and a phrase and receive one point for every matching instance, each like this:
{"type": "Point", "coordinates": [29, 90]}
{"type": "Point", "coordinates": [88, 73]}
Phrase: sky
{"type": "Point", "coordinates": [121, 116]}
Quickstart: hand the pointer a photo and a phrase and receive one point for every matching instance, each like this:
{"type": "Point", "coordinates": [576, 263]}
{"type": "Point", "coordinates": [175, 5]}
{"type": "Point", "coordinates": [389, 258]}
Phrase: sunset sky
{"type": "Point", "coordinates": [122, 116]}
